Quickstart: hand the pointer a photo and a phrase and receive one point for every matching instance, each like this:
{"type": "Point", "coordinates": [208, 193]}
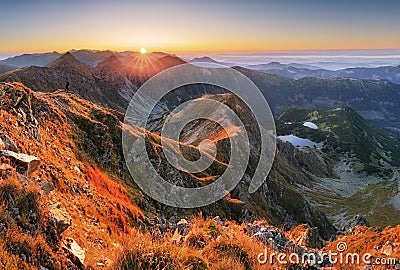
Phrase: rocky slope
{"type": "Point", "coordinates": [73, 138]}
{"type": "Point", "coordinates": [78, 207]}
{"type": "Point", "coordinates": [69, 197]}
{"type": "Point", "coordinates": [278, 199]}
{"type": "Point", "coordinates": [363, 159]}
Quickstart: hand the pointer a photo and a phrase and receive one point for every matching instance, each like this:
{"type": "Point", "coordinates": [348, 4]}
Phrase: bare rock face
{"type": "Point", "coordinates": [74, 251]}
{"type": "Point", "coordinates": [28, 163]}
{"type": "Point", "coordinates": [304, 159]}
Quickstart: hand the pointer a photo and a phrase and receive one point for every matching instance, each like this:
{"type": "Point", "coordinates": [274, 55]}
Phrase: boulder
{"type": "Point", "coordinates": [273, 238]}
{"type": "Point", "coordinates": [218, 220]}
{"type": "Point", "coordinates": [61, 219]}
{"type": "Point", "coordinates": [75, 253]}
{"type": "Point", "coordinates": [28, 163]}
{"type": "Point", "coordinates": [183, 226]}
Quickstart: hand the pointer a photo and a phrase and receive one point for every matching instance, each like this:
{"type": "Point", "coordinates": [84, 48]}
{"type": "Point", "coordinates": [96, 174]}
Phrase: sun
{"type": "Point", "coordinates": [143, 50]}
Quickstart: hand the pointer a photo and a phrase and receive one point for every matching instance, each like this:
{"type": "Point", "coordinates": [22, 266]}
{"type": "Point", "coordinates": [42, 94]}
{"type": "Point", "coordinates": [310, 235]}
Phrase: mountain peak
{"type": "Point", "coordinates": [66, 58]}
{"type": "Point", "coordinates": [168, 61]}
{"type": "Point", "coordinates": [68, 63]}
{"type": "Point", "coordinates": [111, 59]}
{"type": "Point", "coordinates": [111, 65]}
{"type": "Point", "coordinates": [203, 59]}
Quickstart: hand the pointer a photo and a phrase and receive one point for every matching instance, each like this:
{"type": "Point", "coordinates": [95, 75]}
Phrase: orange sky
{"type": "Point", "coordinates": [198, 26]}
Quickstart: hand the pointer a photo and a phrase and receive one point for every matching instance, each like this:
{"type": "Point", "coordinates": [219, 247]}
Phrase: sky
{"type": "Point", "coordinates": [179, 26]}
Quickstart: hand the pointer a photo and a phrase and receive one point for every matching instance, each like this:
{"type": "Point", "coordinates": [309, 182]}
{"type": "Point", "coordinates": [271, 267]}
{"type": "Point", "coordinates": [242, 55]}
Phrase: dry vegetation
{"type": "Point", "coordinates": [208, 245]}
{"type": "Point", "coordinates": [24, 228]}
{"type": "Point", "coordinates": [101, 211]}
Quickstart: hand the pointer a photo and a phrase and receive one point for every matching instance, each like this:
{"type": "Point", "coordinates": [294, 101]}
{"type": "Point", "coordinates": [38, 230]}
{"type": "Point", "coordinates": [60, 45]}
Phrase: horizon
{"type": "Point", "coordinates": [325, 59]}
{"type": "Point", "coordinates": [137, 49]}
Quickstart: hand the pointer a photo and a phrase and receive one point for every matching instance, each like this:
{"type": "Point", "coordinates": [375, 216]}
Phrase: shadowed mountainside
{"type": "Point", "coordinates": [377, 101]}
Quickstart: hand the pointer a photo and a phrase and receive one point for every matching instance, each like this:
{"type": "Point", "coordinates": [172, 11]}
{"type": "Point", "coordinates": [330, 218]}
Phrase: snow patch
{"type": "Point", "coordinates": [297, 141]}
{"type": "Point", "coordinates": [310, 125]}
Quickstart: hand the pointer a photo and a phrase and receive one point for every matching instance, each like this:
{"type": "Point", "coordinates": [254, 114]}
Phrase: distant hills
{"type": "Point", "coordinates": [6, 68]}
{"type": "Point", "coordinates": [35, 59]}
{"type": "Point", "coordinates": [206, 59]}
{"type": "Point", "coordinates": [203, 59]}
{"type": "Point", "coordinates": [296, 71]}
{"type": "Point", "coordinates": [88, 57]}
{"type": "Point", "coordinates": [291, 70]}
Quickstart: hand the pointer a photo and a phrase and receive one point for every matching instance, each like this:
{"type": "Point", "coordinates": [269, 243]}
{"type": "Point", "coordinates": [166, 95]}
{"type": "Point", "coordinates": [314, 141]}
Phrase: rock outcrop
{"type": "Point", "coordinates": [75, 252]}
{"type": "Point", "coordinates": [61, 219]}
{"type": "Point", "coordinates": [26, 164]}
{"type": "Point", "coordinates": [358, 220]}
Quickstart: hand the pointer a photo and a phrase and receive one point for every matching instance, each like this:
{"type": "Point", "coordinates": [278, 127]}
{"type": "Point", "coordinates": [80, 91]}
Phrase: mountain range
{"type": "Point", "coordinates": [295, 71]}
{"type": "Point", "coordinates": [291, 70]}
{"type": "Point", "coordinates": [375, 100]}
{"type": "Point", "coordinates": [111, 83]}
{"type": "Point", "coordinates": [299, 71]}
